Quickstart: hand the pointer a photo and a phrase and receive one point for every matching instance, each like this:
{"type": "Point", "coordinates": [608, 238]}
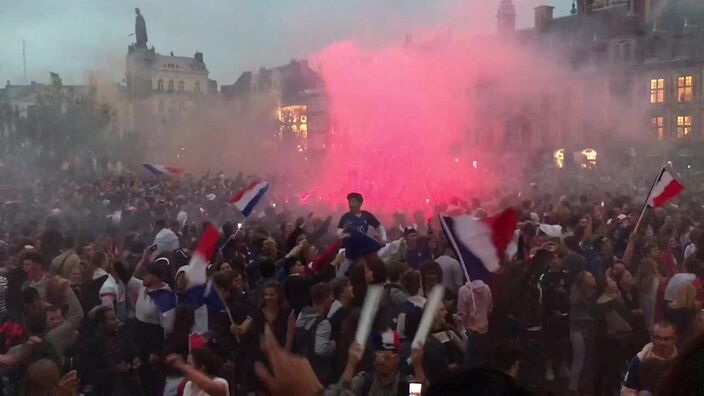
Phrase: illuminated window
{"type": "Point", "coordinates": [589, 156]}
{"type": "Point", "coordinates": [171, 85]}
{"type": "Point", "coordinates": [657, 90]}
{"type": "Point", "coordinates": [558, 157]}
{"type": "Point", "coordinates": [684, 89]}
{"type": "Point", "coordinates": [684, 126]}
{"type": "Point", "coordinates": [196, 87]}
{"type": "Point", "coordinates": [180, 86]}
{"type": "Point", "coordinates": [160, 85]}
{"type": "Point", "coordinates": [658, 124]}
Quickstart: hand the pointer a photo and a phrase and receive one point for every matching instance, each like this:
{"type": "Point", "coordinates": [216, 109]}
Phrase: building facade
{"type": "Point", "coordinates": [285, 106]}
{"type": "Point", "coordinates": [633, 77]}
{"type": "Point", "coordinates": [160, 90]}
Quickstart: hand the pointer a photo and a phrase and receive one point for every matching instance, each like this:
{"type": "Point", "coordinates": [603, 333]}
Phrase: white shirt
{"type": "Point", "coordinates": [452, 273]}
{"type": "Point", "coordinates": [192, 389]}
{"type": "Point", "coordinates": [145, 309]}
{"type": "Point", "coordinates": [40, 286]}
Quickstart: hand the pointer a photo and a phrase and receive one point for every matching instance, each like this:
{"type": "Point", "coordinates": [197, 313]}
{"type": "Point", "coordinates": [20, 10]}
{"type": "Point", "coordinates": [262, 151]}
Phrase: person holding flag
{"type": "Point", "coordinates": [480, 246]}
{"type": "Point", "coordinates": [665, 187]}
{"type": "Point", "coordinates": [247, 199]}
{"type": "Point", "coordinates": [358, 219]}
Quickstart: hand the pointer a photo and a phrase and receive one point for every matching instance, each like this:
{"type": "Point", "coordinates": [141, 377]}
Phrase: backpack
{"type": "Point", "coordinates": [304, 339]}
{"type": "Point", "coordinates": [395, 309]}
{"type": "Point", "coordinates": [304, 345]}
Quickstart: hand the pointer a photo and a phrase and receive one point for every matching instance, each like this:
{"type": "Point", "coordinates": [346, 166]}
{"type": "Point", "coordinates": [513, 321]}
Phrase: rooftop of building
{"type": "Point", "coordinates": [179, 63]}
{"type": "Point", "coordinates": [20, 91]}
{"type": "Point", "coordinates": [292, 78]}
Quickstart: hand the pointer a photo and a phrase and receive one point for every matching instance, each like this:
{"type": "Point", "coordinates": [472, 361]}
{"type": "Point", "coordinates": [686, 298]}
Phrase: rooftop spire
{"type": "Point", "coordinates": [506, 17]}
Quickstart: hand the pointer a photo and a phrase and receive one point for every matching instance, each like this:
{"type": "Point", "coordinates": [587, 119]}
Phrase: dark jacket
{"type": "Point", "coordinates": [297, 287]}
{"type": "Point", "coordinates": [96, 362]}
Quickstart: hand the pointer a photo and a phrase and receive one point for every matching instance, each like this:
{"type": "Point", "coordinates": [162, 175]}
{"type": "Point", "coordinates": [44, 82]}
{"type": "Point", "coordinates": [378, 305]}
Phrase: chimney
{"type": "Point", "coordinates": [506, 17]}
{"type": "Point", "coordinates": [198, 56]}
{"type": "Point", "coordinates": [543, 16]}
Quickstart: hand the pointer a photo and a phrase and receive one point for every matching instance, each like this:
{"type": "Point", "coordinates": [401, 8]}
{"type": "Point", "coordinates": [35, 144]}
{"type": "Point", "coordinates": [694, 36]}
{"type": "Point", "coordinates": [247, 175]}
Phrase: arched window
{"type": "Point", "coordinates": [160, 85]}
{"type": "Point", "coordinates": [171, 85]}
{"type": "Point", "coordinates": [180, 86]}
{"type": "Point", "coordinates": [196, 87]}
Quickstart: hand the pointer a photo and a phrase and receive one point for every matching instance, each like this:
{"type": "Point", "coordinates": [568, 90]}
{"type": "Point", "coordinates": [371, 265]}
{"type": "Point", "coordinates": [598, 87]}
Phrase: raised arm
{"type": "Point", "coordinates": [204, 382]}
{"type": "Point", "coordinates": [327, 256]}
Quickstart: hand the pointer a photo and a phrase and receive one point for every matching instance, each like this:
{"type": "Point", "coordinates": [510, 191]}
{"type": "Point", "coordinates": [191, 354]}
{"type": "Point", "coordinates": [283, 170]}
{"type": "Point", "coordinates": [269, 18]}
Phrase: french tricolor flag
{"type": "Point", "coordinates": [480, 244]}
{"type": "Point", "coordinates": [665, 188]}
{"type": "Point", "coordinates": [247, 199]}
{"type": "Point", "coordinates": [196, 270]}
{"type": "Point", "coordinates": [160, 170]}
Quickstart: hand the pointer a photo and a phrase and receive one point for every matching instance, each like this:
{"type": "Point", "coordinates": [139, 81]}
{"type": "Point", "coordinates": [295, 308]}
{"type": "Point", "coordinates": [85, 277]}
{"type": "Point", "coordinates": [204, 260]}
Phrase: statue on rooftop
{"type": "Point", "coordinates": [140, 29]}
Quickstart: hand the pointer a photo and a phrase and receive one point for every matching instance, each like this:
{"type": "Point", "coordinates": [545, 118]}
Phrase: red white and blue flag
{"type": "Point", "coordinates": [197, 266]}
{"type": "Point", "coordinates": [247, 199]}
{"type": "Point", "coordinates": [480, 244]}
{"type": "Point", "coordinates": [160, 170]}
{"type": "Point", "coordinates": [665, 188]}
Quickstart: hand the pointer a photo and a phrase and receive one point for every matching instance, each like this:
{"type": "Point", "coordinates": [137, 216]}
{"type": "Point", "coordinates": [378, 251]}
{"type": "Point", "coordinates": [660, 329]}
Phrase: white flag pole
{"type": "Point", "coordinates": [647, 199]}
{"type": "Point", "coordinates": [448, 234]}
{"type": "Point", "coordinates": [431, 308]}
{"type": "Point", "coordinates": [366, 317]}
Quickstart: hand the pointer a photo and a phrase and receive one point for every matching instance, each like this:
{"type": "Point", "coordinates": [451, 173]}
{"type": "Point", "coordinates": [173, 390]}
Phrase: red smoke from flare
{"type": "Point", "coordinates": [400, 119]}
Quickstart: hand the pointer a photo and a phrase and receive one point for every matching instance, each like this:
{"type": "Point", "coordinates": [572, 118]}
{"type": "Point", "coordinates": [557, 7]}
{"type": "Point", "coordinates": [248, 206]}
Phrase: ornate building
{"type": "Point", "coordinates": [160, 89]}
{"type": "Point", "coordinates": [634, 73]}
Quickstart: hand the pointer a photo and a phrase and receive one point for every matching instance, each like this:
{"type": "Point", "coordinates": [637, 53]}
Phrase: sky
{"type": "Point", "coordinates": [71, 37]}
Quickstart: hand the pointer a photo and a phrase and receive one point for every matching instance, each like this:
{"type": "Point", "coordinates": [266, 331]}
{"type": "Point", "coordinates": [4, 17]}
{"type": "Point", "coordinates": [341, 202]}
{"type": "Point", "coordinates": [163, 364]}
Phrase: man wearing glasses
{"type": "Point", "coordinates": [649, 365]}
{"type": "Point", "coordinates": [386, 379]}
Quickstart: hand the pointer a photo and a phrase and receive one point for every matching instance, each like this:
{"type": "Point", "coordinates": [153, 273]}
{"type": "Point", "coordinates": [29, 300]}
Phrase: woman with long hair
{"type": "Point", "coordinates": [581, 324]}
{"type": "Point", "coordinates": [360, 277]}
{"type": "Point", "coordinates": [223, 266]}
{"type": "Point", "coordinates": [277, 314]}
{"type": "Point", "coordinates": [75, 273]}
{"type": "Point", "coordinates": [613, 337]}
{"type": "Point", "coordinates": [647, 283]}
{"type": "Point", "coordinates": [668, 247]}
{"type": "Point", "coordinates": [434, 246]}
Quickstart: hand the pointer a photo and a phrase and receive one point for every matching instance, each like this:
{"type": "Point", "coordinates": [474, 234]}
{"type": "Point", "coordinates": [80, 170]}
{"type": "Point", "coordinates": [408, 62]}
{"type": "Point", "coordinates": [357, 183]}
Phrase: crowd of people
{"type": "Point", "coordinates": [97, 296]}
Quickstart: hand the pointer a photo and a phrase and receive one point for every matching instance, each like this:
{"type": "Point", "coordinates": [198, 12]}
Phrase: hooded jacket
{"type": "Point", "coordinates": [324, 344]}
{"type": "Point", "coordinates": [166, 241]}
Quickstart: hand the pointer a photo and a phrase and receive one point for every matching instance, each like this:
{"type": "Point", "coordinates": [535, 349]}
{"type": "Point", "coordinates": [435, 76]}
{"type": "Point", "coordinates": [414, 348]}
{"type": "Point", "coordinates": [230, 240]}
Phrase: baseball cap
{"type": "Point", "coordinates": [388, 340]}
